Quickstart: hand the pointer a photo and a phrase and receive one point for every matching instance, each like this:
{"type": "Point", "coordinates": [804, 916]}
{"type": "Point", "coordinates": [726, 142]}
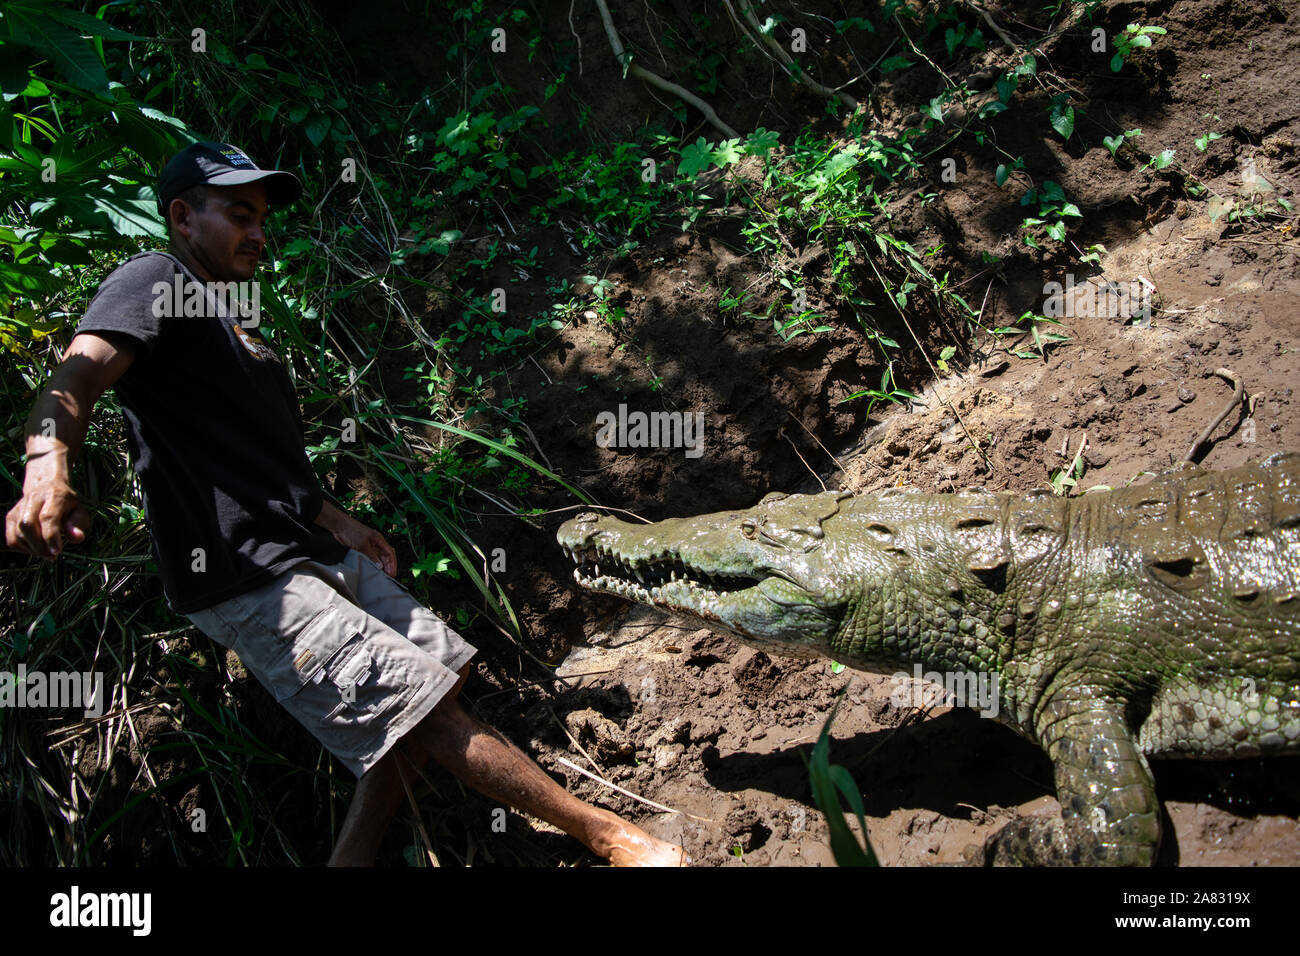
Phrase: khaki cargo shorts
{"type": "Point", "coordinates": [347, 651]}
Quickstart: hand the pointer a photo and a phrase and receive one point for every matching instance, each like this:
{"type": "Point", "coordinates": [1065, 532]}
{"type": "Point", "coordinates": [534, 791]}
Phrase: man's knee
{"type": "Point", "coordinates": [446, 723]}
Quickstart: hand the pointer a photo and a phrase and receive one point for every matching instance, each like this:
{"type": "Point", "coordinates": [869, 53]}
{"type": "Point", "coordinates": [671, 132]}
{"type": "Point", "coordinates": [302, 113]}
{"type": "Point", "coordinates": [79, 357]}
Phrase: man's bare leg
{"type": "Point", "coordinates": [485, 760]}
{"type": "Point", "coordinates": [378, 795]}
{"type": "Point", "coordinates": [489, 763]}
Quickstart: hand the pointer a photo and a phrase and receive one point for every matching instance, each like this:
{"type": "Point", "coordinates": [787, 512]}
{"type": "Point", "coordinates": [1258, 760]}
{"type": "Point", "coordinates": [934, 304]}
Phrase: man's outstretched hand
{"type": "Point", "coordinates": [348, 531]}
{"type": "Point", "coordinates": [47, 515]}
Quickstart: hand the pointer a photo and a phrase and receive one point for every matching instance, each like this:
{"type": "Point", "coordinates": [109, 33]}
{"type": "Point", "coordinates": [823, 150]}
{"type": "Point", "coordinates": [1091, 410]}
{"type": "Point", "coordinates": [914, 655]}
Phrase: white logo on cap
{"type": "Point", "coordinates": [236, 157]}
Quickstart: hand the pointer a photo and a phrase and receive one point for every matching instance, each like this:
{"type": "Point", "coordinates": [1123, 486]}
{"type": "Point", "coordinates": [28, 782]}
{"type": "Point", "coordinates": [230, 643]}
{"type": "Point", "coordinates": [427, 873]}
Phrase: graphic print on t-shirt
{"type": "Point", "coordinates": [256, 348]}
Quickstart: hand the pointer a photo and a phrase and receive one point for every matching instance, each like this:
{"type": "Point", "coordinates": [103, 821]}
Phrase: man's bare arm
{"type": "Point", "coordinates": [49, 509]}
{"type": "Point", "coordinates": [349, 531]}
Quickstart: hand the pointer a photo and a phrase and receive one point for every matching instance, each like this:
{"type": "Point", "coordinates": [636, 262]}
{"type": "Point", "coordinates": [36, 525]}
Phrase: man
{"type": "Point", "coordinates": [246, 545]}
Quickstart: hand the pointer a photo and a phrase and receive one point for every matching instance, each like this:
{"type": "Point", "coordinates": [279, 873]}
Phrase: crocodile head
{"type": "Point", "coordinates": [771, 575]}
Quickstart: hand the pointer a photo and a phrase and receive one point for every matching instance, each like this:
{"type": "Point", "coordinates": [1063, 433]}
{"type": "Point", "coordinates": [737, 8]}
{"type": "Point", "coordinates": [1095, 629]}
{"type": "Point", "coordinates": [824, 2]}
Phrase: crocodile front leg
{"type": "Point", "coordinates": [1110, 815]}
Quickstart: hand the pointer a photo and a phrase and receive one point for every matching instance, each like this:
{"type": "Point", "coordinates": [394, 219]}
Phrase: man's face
{"type": "Point", "coordinates": [225, 238]}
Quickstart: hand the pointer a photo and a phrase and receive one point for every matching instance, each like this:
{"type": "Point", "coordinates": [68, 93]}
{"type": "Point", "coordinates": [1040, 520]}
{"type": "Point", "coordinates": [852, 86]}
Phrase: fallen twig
{"type": "Point", "coordinates": [1239, 391]}
{"type": "Point", "coordinates": [628, 793]}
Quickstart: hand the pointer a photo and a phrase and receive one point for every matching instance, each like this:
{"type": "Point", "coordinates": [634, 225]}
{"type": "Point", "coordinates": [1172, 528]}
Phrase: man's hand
{"type": "Point", "coordinates": [348, 531]}
{"type": "Point", "coordinates": [47, 513]}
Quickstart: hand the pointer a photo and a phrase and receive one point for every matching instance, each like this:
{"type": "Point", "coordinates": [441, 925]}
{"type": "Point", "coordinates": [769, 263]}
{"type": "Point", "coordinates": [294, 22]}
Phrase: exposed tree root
{"type": "Point", "coordinates": [785, 59]}
{"type": "Point", "coordinates": [655, 79]}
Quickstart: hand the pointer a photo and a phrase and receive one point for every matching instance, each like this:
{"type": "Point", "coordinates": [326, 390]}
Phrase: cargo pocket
{"type": "Point", "coordinates": [285, 664]}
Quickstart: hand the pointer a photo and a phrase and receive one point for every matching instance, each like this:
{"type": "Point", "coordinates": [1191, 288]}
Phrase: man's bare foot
{"type": "Point", "coordinates": [624, 844]}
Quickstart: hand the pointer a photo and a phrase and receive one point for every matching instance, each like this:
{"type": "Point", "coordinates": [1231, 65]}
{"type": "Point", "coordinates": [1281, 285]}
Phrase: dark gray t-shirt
{"type": "Point", "coordinates": [215, 431]}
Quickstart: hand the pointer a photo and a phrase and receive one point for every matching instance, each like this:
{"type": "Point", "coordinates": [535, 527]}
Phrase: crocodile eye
{"type": "Point", "coordinates": [749, 529]}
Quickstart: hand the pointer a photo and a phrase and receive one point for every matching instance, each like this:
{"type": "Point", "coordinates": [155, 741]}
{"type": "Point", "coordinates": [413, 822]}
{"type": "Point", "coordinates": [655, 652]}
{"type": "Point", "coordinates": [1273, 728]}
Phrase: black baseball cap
{"type": "Point", "coordinates": [220, 164]}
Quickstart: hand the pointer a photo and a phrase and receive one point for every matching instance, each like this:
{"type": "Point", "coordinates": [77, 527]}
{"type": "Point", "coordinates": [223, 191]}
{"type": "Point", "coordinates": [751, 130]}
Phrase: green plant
{"type": "Point", "coordinates": [1133, 38]}
{"type": "Point", "coordinates": [887, 392]}
{"type": "Point", "coordinates": [603, 305]}
{"type": "Point", "coordinates": [1113, 143]}
{"type": "Point", "coordinates": [1203, 141]}
{"type": "Point", "coordinates": [1051, 205]}
{"type": "Point", "coordinates": [1042, 338]}
{"type": "Point", "coordinates": [945, 356]}
{"type": "Point", "coordinates": [1061, 115]}
{"type": "Point", "coordinates": [1162, 160]}
{"type": "Point", "coordinates": [731, 302]}
{"type": "Point", "coordinates": [1093, 254]}
{"type": "Point", "coordinates": [1256, 198]}
{"type": "Point", "coordinates": [830, 782]}
{"type": "Point", "coordinates": [1064, 480]}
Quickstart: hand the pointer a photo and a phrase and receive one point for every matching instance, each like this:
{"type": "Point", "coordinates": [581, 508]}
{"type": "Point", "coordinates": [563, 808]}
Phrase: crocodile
{"type": "Point", "coordinates": [1157, 620]}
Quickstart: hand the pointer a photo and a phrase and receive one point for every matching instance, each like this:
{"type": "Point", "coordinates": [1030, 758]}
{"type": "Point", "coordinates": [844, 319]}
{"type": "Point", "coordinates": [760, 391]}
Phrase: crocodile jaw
{"type": "Point", "coordinates": [723, 587]}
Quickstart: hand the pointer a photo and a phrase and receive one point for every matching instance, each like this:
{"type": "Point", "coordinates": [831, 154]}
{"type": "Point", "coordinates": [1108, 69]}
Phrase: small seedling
{"type": "Point", "coordinates": [1042, 339]}
{"type": "Point", "coordinates": [1161, 161]}
{"type": "Point", "coordinates": [1064, 480]}
{"type": "Point", "coordinates": [1133, 38]}
{"type": "Point", "coordinates": [1113, 143]}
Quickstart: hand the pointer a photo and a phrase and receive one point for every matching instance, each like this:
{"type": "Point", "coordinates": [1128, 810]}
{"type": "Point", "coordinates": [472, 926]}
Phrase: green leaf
{"type": "Point", "coordinates": [1163, 160]}
{"type": "Point", "coordinates": [727, 153]}
{"type": "Point", "coordinates": [695, 158]}
{"type": "Point", "coordinates": [952, 38]}
{"type": "Point", "coordinates": [1007, 88]}
{"type": "Point", "coordinates": [1217, 206]}
{"type": "Point", "coordinates": [895, 63]}
{"type": "Point", "coordinates": [826, 779]}
{"type": "Point", "coordinates": [434, 564]}
{"type": "Point", "coordinates": [73, 56]}
{"type": "Point", "coordinates": [1203, 142]}
{"type": "Point", "coordinates": [317, 128]}
{"type": "Point", "coordinates": [761, 142]}
{"type": "Point", "coordinates": [842, 162]}
{"type": "Point", "coordinates": [1062, 119]}
{"type": "Point", "coordinates": [1001, 173]}
{"type": "Point", "coordinates": [82, 23]}
{"type": "Point", "coordinates": [127, 210]}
